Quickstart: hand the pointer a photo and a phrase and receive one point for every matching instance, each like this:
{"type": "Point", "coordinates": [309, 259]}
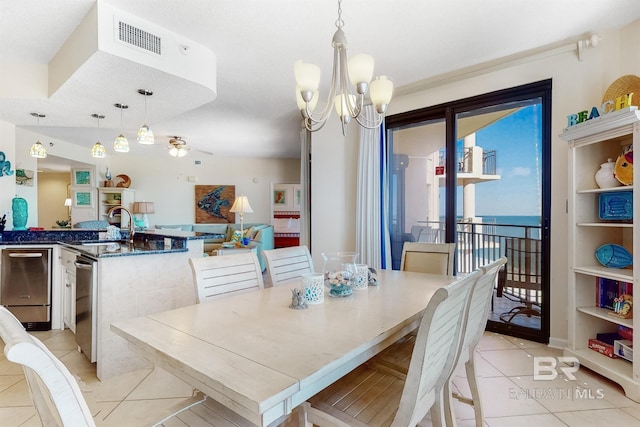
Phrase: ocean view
{"type": "Point", "coordinates": [513, 225]}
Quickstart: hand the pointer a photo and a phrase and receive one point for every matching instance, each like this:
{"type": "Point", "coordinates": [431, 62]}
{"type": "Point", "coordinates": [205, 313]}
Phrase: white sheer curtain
{"type": "Point", "coordinates": [305, 185]}
{"type": "Point", "coordinates": [372, 233]}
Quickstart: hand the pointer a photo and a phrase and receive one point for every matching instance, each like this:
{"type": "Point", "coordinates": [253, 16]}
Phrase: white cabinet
{"type": "Point", "coordinates": [591, 144]}
{"type": "Point", "coordinates": [109, 197]}
{"type": "Point", "coordinates": [68, 270]}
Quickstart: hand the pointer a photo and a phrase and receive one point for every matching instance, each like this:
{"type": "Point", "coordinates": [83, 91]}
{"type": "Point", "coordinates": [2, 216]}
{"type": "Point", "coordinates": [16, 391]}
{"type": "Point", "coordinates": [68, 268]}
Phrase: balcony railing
{"type": "Point", "coordinates": [464, 160]}
{"type": "Point", "coordinates": [481, 243]}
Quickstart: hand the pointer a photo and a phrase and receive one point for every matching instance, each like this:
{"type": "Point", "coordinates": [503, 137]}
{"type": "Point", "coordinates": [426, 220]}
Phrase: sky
{"type": "Point", "coordinates": [517, 140]}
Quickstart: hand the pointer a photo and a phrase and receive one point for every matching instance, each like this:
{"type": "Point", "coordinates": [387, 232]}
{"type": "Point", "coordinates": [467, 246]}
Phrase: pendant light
{"type": "Point", "coordinates": [98, 151]}
{"type": "Point", "coordinates": [121, 145]}
{"type": "Point", "coordinates": [145, 135]}
{"type": "Point", "coordinates": [37, 150]}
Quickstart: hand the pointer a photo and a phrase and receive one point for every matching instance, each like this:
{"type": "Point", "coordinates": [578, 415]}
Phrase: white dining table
{"type": "Point", "coordinates": [260, 358]}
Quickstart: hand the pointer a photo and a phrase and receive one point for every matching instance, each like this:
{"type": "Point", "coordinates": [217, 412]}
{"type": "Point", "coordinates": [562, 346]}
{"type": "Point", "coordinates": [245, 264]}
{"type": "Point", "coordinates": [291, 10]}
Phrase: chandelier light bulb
{"type": "Point", "coordinates": [381, 91]}
{"type": "Point", "coordinates": [343, 103]}
{"type": "Point", "coordinates": [307, 77]}
{"type": "Point", "coordinates": [360, 69]}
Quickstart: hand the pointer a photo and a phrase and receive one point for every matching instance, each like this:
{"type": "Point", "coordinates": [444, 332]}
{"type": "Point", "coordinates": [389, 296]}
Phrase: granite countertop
{"type": "Point", "coordinates": [87, 242]}
{"type": "Point", "coordinates": [189, 235]}
{"type": "Point", "coordinates": [114, 248]}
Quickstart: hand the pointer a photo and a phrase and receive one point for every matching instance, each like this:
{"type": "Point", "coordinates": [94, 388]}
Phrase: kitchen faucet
{"type": "Point", "coordinates": [132, 231]}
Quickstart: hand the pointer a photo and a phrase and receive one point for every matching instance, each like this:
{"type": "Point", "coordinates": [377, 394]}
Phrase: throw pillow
{"type": "Point", "coordinates": [257, 236]}
{"type": "Point", "coordinates": [237, 236]}
{"type": "Point", "coordinates": [230, 231]}
{"type": "Point", "coordinates": [249, 232]}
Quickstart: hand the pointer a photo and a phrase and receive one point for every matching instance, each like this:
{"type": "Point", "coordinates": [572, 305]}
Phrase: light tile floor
{"type": "Point", "coordinates": [504, 366]}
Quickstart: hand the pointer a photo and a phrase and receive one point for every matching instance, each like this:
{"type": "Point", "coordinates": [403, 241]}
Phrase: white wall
{"type": "Point", "coordinates": [52, 191]}
{"type": "Point", "coordinates": [333, 178]}
{"type": "Point", "coordinates": [7, 183]}
{"type": "Point", "coordinates": [576, 86]}
{"type": "Point", "coordinates": [165, 181]}
{"type": "Point", "coordinates": [161, 179]}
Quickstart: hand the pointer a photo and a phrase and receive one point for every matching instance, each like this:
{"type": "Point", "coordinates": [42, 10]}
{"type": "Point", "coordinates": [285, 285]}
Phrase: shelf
{"type": "Point", "coordinates": [605, 224]}
{"type": "Point", "coordinates": [606, 190]}
{"type": "Point", "coordinates": [624, 274]}
{"type": "Point", "coordinates": [618, 370]}
{"type": "Point", "coordinates": [603, 313]}
{"type": "Point", "coordinates": [591, 144]}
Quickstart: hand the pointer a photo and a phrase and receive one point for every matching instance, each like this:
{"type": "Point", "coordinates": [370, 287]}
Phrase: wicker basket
{"type": "Point", "coordinates": [622, 86]}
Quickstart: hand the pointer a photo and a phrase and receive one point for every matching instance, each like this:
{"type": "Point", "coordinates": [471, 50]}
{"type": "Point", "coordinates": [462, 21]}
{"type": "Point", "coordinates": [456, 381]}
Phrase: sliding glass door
{"type": "Point", "coordinates": [477, 172]}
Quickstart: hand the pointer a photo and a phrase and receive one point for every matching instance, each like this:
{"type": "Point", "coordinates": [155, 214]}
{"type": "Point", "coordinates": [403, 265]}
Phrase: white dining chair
{"type": "Point", "coordinates": [285, 265]}
{"type": "Point", "coordinates": [59, 401]}
{"type": "Point", "coordinates": [351, 401]}
{"type": "Point", "coordinates": [225, 275]}
{"type": "Point", "coordinates": [435, 258]}
{"type": "Point", "coordinates": [54, 391]}
{"type": "Point", "coordinates": [397, 357]}
{"type": "Point", "coordinates": [479, 308]}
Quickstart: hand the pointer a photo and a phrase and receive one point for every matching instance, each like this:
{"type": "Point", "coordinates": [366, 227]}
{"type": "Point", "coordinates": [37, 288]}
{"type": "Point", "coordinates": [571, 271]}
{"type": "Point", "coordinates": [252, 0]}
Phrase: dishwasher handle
{"type": "Point", "coordinates": [25, 255]}
{"type": "Point", "coordinates": [84, 263]}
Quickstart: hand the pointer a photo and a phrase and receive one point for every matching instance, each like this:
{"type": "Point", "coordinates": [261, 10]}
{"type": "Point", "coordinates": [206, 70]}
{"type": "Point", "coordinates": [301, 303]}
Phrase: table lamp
{"type": "Point", "coordinates": [241, 206]}
{"type": "Point", "coordinates": [67, 203]}
{"type": "Point", "coordinates": [143, 208]}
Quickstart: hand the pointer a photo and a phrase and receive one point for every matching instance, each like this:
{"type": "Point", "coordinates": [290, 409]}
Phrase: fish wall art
{"type": "Point", "coordinates": [213, 203]}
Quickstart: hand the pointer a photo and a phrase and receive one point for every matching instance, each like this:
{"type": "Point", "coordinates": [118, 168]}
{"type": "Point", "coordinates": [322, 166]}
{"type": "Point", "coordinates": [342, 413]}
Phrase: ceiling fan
{"type": "Point", "coordinates": [178, 147]}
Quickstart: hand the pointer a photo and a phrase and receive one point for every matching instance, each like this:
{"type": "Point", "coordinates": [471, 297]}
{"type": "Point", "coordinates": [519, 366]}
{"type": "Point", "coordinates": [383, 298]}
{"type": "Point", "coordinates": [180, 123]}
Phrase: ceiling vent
{"type": "Point", "coordinates": [140, 38]}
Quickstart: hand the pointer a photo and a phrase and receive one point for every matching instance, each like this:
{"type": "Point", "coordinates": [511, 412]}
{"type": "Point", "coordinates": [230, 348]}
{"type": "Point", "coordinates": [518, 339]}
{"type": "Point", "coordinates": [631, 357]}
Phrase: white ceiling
{"type": "Point", "coordinates": [256, 43]}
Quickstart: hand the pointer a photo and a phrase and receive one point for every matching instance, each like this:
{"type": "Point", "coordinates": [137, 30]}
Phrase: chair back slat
{"type": "Point", "coordinates": [435, 258]}
{"type": "Point", "coordinates": [54, 391]}
{"type": "Point", "coordinates": [479, 307]}
{"type": "Point", "coordinates": [436, 349]}
{"type": "Point", "coordinates": [224, 275]}
{"type": "Point", "coordinates": [284, 265]}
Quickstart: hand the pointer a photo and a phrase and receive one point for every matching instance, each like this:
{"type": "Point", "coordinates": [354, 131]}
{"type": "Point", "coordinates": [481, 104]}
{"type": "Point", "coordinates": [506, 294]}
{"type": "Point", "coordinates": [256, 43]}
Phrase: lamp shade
{"type": "Point", "coordinates": [145, 135]}
{"type": "Point", "coordinates": [307, 76]}
{"type": "Point", "coordinates": [360, 68]}
{"type": "Point", "coordinates": [38, 151]}
{"type": "Point", "coordinates": [381, 91]}
{"type": "Point", "coordinates": [241, 205]}
{"type": "Point", "coordinates": [67, 202]}
{"type": "Point", "coordinates": [143, 208]}
{"type": "Point", "coordinates": [121, 145]}
{"type": "Point", "coordinates": [98, 151]}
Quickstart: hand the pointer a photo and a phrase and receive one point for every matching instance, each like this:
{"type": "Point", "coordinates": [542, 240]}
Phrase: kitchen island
{"type": "Point", "coordinates": [150, 275]}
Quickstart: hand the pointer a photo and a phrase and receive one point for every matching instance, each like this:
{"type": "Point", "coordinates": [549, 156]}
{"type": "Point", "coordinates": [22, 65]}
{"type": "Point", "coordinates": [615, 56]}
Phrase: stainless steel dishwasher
{"type": "Point", "coordinates": [86, 298]}
{"type": "Point", "coordinates": [26, 286]}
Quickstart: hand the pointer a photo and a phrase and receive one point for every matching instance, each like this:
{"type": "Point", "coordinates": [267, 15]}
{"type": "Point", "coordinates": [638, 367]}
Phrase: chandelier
{"type": "Point", "coordinates": [349, 100]}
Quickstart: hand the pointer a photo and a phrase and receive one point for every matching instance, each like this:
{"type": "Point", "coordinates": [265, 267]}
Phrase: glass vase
{"type": "Point", "coordinates": [340, 272]}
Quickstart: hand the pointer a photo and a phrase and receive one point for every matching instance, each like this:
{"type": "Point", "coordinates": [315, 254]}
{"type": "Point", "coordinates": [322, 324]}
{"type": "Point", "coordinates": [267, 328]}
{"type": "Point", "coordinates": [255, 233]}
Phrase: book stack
{"type": "Point", "coordinates": [609, 290]}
